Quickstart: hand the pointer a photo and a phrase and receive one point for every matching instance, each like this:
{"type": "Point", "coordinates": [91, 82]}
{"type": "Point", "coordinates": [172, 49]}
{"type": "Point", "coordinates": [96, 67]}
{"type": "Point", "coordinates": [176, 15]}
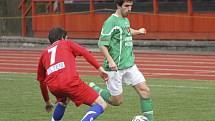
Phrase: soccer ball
{"type": "Point", "coordinates": [140, 118]}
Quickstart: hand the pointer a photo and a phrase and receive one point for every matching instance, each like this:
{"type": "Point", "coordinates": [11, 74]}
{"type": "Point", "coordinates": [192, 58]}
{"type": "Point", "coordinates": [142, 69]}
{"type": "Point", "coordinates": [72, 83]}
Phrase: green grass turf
{"type": "Point", "coordinates": [174, 100]}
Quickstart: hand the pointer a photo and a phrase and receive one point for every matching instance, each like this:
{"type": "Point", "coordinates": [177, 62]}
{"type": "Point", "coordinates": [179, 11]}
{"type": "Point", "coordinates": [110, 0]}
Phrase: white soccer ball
{"type": "Point", "coordinates": [140, 118]}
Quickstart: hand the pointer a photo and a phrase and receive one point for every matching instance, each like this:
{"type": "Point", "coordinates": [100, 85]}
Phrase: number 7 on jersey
{"type": "Point", "coordinates": [53, 53]}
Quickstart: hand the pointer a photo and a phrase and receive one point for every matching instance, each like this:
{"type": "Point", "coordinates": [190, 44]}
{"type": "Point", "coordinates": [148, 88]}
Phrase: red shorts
{"type": "Point", "coordinates": [79, 94]}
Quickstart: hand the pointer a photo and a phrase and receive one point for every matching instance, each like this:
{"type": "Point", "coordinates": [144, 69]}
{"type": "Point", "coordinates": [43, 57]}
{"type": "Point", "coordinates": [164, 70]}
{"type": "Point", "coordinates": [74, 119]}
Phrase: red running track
{"type": "Point", "coordinates": [153, 65]}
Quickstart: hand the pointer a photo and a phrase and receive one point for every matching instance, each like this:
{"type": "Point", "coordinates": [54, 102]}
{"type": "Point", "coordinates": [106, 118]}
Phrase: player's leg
{"type": "Point", "coordinates": [113, 93]}
{"type": "Point", "coordinates": [60, 109]}
{"type": "Point", "coordinates": [138, 82]}
{"type": "Point", "coordinates": [96, 103]}
{"type": "Point", "coordinates": [103, 92]}
{"type": "Point", "coordinates": [96, 109]}
{"type": "Point", "coordinates": [145, 100]}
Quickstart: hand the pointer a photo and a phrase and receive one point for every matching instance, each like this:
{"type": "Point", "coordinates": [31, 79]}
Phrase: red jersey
{"type": "Point", "coordinates": [57, 66]}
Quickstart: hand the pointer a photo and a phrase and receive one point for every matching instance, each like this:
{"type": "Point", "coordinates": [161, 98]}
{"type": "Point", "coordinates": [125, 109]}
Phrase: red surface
{"type": "Point", "coordinates": [153, 65]}
{"type": "Point", "coordinates": [159, 26]}
{"type": "Point", "coordinates": [163, 25]}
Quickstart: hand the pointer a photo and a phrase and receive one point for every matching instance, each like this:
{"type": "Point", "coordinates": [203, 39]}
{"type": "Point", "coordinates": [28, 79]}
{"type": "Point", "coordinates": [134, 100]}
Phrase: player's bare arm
{"type": "Point", "coordinates": [49, 106]}
{"type": "Point", "coordinates": [137, 32]}
{"type": "Point", "coordinates": [110, 60]}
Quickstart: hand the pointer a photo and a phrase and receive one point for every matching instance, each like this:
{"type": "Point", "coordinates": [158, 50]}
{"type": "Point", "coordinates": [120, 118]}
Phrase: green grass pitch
{"type": "Point", "coordinates": [174, 100]}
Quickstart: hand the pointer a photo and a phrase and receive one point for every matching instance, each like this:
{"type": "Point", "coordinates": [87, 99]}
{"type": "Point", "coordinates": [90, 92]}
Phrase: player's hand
{"type": "Point", "coordinates": [103, 73]}
{"type": "Point", "coordinates": [142, 31]}
{"type": "Point", "coordinates": [113, 66]}
{"type": "Point", "coordinates": [49, 106]}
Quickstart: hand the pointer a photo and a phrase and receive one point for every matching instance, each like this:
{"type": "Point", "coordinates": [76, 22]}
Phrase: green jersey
{"type": "Point", "coordinates": [116, 36]}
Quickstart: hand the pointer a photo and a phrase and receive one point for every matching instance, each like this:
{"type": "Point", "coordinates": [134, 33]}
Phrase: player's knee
{"type": "Point", "coordinates": [101, 102]}
{"type": "Point", "coordinates": [144, 91]}
{"type": "Point", "coordinates": [104, 104]}
{"type": "Point", "coordinates": [116, 101]}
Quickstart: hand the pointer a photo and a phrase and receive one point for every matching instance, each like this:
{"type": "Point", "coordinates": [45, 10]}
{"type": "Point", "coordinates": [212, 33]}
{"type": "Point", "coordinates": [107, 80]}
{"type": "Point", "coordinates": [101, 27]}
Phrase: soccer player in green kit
{"type": "Point", "coordinates": [116, 44]}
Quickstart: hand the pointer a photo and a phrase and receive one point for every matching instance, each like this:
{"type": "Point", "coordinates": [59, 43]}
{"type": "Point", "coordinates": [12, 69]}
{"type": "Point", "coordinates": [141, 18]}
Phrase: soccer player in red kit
{"type": "Point", "coordinates": [57, 73]}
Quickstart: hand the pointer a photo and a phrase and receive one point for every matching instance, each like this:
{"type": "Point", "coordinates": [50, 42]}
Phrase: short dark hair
{"type": "Point", "coordinates": [120, 2]}
{"type": "Point", "coordinates": [56, 34]}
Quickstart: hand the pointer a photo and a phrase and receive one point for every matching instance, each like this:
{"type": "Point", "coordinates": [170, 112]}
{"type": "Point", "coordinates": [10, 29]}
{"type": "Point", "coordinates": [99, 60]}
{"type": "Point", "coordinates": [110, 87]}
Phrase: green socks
{"type": "Point", "coordinates": [146, 104]}
{"type": "Point", "coordinates": [146, 108]}
{"type": "Point", "coordinates": [104, 93]}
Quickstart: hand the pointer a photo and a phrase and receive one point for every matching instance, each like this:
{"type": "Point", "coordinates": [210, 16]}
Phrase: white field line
{"type": "Point", "coordinates": [183, 87]}
{"type": "Point", "coordinates": [155, 75]}
{"type": "Point", "coordinates": [175, 86]}
{"type": "Point", "coordinates": [146, 75]}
